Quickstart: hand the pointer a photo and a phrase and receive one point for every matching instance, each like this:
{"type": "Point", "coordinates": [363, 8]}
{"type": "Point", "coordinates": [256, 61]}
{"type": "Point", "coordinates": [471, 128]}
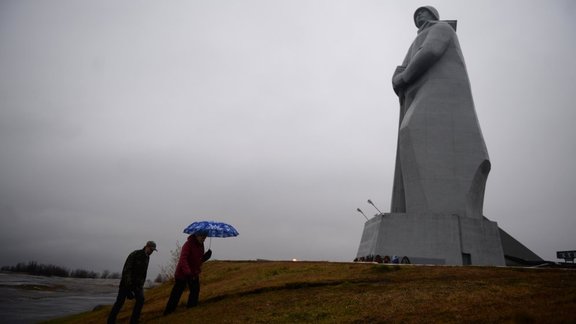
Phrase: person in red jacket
{"type": "Point", "coordinates": [188, 272]}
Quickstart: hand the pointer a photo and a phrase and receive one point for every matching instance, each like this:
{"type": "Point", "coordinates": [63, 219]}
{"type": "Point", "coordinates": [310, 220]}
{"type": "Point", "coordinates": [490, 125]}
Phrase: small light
{"type": "Point", "coordinates": [294, 260]}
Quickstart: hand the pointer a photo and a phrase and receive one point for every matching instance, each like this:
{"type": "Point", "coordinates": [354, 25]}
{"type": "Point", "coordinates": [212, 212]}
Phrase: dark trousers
{"type": "Point", "coordinates": [122, 295]}
{"type": "Point", "coordinates": [178, 289]}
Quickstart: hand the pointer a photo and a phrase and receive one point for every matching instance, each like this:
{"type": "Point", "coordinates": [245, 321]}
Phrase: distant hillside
{"type": "Point", "coordinates": [325, 292]}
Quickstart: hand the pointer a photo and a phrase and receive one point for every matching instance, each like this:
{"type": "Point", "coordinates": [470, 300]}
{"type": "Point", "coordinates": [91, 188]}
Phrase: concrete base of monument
{"type": "Point", "coordinates": [432, 239]}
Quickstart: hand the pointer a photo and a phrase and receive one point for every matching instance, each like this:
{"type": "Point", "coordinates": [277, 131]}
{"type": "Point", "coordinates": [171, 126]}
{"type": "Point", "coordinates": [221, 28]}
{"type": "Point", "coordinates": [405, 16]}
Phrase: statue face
{"type": "Point", "coordinates": [423, 16]}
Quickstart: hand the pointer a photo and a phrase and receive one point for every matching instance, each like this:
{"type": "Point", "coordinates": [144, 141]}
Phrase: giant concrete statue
{"type": "Point", "coordinates": [442, 162]}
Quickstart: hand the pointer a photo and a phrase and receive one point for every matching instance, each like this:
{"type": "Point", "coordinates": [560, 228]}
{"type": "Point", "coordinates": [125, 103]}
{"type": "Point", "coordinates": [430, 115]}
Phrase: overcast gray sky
{"type": "Point", "coordinates": [125, 121]}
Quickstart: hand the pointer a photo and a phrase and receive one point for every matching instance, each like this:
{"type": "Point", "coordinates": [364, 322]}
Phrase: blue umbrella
{"type": "Point", "coordinates": [211, 229]}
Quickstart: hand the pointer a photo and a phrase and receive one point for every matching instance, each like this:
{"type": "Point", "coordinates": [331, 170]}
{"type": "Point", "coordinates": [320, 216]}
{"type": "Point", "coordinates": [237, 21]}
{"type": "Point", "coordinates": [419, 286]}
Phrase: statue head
{"type": "Point", "coordinates": [424, 14]}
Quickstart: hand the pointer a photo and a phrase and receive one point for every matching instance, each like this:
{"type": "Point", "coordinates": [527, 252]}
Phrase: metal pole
{"type": "Point", "coordinates": [360, 211]}
{"type": "Point", "coordinates": [371, 203]}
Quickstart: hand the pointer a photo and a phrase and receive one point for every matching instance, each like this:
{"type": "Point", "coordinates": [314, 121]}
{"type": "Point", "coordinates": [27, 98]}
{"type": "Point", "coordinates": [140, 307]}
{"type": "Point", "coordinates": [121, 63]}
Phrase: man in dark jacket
{"type": "Point", "coordinates": [188, 272]}
{"type": "Point", "coordinates": [132, 283]}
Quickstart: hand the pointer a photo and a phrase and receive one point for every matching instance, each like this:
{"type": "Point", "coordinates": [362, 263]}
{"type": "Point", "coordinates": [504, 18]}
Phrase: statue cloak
{"type": "Point", "coordinates": [442, 160]}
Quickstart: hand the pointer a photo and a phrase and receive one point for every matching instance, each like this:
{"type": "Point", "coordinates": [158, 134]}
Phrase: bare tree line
{"type": "Point", "coordinates": [49, 270]}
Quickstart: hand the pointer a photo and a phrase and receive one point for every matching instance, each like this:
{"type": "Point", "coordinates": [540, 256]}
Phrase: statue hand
{"type": "Point", "coordinates": [398, 83]}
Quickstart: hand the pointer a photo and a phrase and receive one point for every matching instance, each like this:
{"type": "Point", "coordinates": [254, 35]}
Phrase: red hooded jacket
{"type": "Point", "coordinates": [191, 259]}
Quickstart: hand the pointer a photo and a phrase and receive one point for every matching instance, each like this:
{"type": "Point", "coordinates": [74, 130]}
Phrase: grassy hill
{"type": "Point", "coordinates": [325, 292]}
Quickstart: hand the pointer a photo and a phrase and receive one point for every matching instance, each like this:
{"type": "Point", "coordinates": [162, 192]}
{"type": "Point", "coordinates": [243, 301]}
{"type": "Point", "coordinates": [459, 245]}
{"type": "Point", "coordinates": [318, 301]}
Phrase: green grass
{"type": "Point", "coordinates": [323, 292]}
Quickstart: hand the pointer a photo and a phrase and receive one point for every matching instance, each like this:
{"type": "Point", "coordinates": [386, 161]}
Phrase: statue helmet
{"type": "Point", "coordinates": [430, 9]}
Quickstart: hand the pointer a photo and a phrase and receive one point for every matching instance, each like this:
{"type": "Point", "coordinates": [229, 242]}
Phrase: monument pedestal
{"type": "Point", "coordinates": [433, 239]}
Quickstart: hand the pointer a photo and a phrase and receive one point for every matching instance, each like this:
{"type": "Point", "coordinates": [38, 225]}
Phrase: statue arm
{"type": "Point", "coordinates": [432, 49]}
{"type": "Point", "coordinates": [398, 87]}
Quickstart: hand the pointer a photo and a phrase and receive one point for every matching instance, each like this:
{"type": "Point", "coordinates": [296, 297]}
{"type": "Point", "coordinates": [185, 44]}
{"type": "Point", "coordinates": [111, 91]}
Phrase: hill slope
{"type": "Point", "coordinates": [324, 292]}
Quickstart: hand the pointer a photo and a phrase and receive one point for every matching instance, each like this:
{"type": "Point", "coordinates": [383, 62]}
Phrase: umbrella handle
{"type": "Point", "coordinates": [210, 243]}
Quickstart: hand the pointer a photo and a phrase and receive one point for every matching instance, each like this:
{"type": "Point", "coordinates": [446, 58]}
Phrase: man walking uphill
{"type": "Point", "coordinates": [132, 283]}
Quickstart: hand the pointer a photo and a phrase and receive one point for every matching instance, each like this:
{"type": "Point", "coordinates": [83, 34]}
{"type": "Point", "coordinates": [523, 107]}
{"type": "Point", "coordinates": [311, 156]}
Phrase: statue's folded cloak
{"type": "Point", "coordinates": [442, 157]}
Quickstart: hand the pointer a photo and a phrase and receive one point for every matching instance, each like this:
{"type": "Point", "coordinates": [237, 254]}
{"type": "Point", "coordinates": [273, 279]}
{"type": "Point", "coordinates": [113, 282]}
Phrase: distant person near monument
{"type": "Point", "coordinates": [132, 282]}
{"type": "Point", "coordinates": [442, 162]}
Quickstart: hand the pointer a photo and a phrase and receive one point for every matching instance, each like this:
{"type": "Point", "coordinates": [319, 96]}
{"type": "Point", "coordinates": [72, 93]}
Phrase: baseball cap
{"type": "Point", "coordinates": [152, 244]}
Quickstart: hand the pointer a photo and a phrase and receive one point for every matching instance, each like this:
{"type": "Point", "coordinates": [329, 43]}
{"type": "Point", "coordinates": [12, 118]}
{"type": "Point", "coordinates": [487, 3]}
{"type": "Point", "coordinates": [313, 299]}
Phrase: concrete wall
{"type": "Point", "coordinates": [513, 249]}
{"type": "Point", "coordinates": [432, 238]}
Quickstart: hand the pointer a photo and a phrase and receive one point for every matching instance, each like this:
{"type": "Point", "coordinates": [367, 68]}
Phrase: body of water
{"type": "Point", "coordinates": [30, 299]}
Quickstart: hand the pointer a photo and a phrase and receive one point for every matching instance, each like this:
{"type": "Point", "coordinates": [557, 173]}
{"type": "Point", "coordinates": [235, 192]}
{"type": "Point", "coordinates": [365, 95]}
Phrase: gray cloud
{"type": "Point", "coordinates": [126, 121]}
